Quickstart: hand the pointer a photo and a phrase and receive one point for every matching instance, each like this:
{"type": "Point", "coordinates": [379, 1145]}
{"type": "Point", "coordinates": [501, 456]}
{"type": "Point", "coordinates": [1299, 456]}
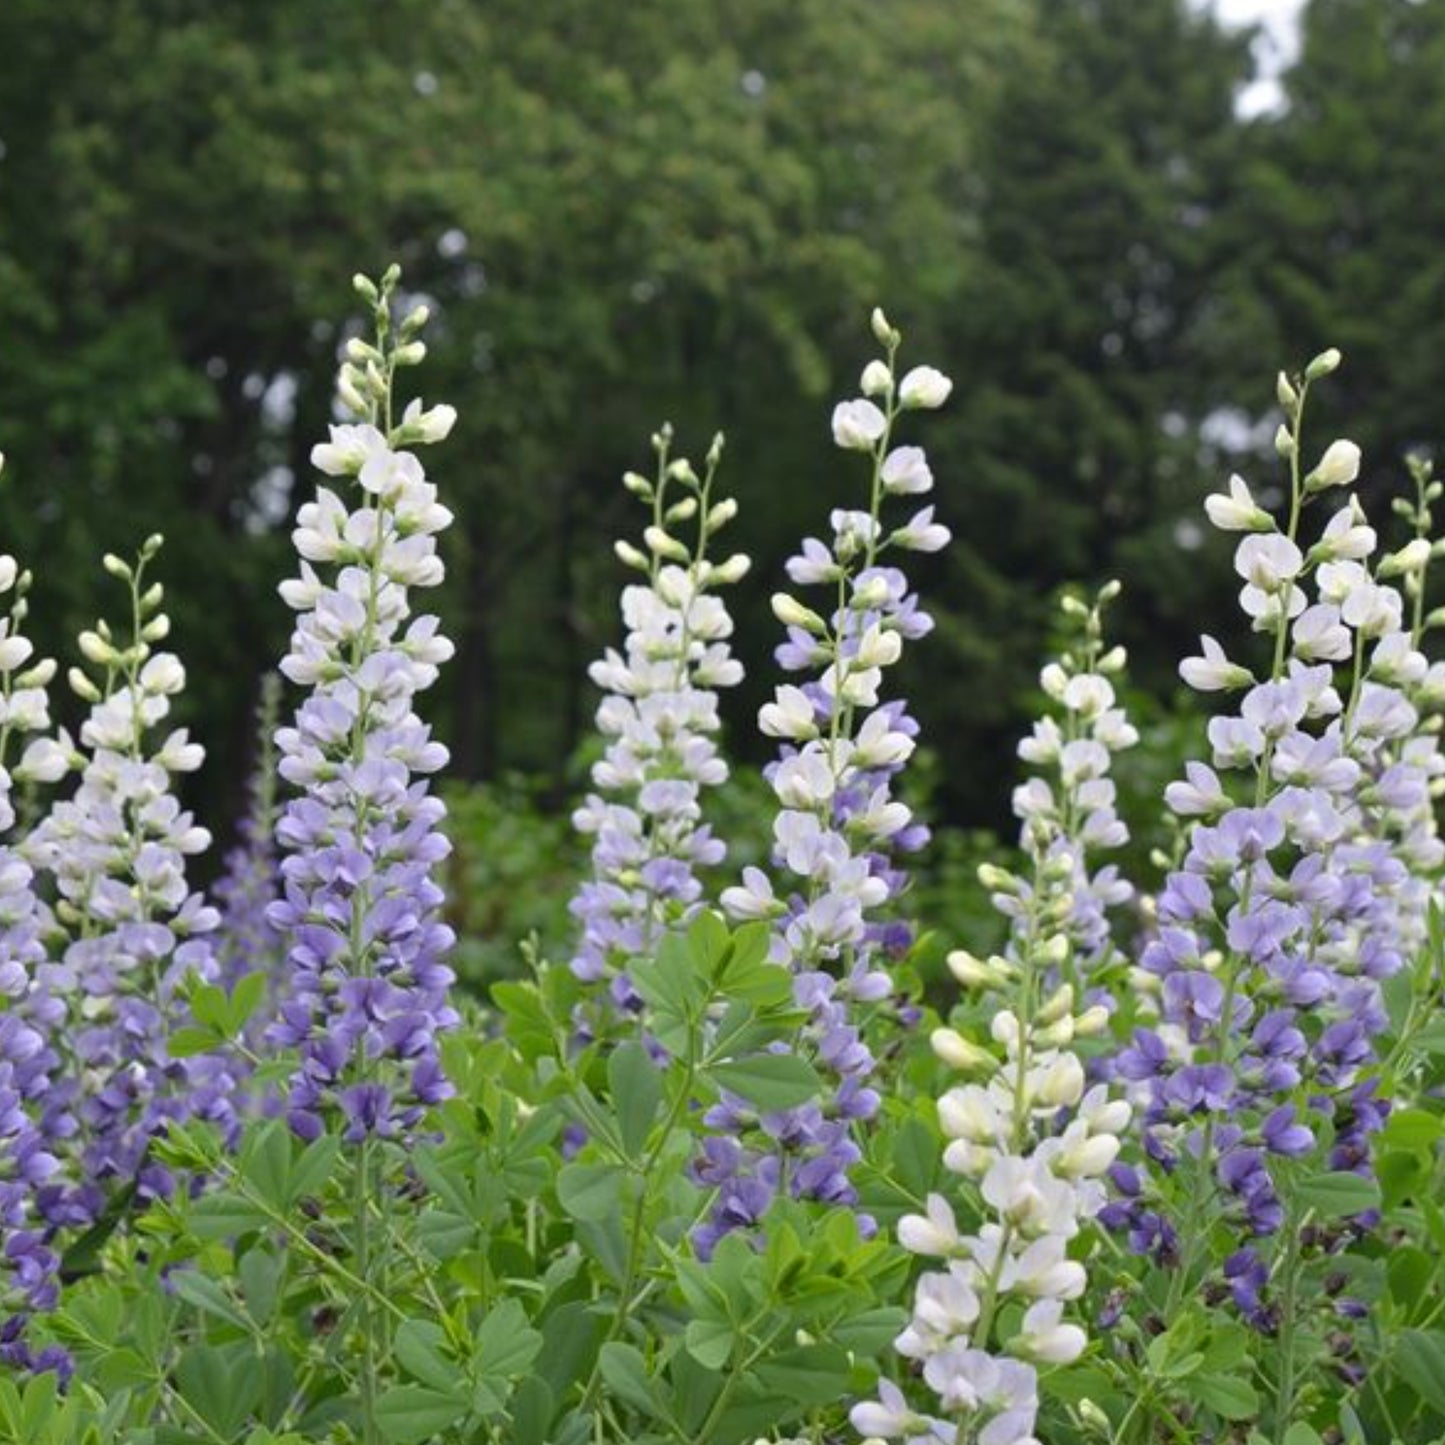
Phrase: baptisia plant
{"type": "Point", "coordinates": [659, 714]}
{"type": "Point", "coordinates": [1285, 914]}
{"type": "Point", "coordinates": [126, 938]}
{"type": "Point", "coordinates": [1028, 1134]}
{"type": "Point", "coordinates": [360, 902]}
{"type": "Point", "coordinates": [839, 830]}
{"type": "Point", "coordinates": [32, 1128]}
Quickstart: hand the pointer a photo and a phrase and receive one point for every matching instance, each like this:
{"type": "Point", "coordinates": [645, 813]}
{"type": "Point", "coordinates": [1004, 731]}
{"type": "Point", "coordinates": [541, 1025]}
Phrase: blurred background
{"type": "Point", "coordinates": [1110, 221]}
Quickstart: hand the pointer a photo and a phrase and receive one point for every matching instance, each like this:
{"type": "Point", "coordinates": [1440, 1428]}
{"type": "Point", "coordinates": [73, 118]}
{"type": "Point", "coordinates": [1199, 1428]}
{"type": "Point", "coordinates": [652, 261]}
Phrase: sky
{"type": "Point", "coordinates": [1275, 49]}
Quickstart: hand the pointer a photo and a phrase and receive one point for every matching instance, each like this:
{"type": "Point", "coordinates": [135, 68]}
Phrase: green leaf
{"type": "Point", "coordinates": [1301, 1434]}
{"type": "Point", "coordinates": [1338, 1195]}
{"type": "Point", "coordinates": [310, 1173]}
{"type": "Point", "coordinates": [187, 1043]}
{"type": "Point", "coordinates": [222, 1385]}
{"type": "Point", "coordinates": [1411, 1129]}
{"type": "Point", "coordinates": [590, 1192]}
{"type": "Point", "coordinates": [625, 1373]}
{"type": "Point", "coordinates": [869, 1332]}
{"type": "Point", "coordinates": [636, 1084]}
{"type": "Point", "coordinates": [414, 1414]}
{"type": "Point", "coordinates": [1418, 1359]}
{"type": "Point", "coordinates": [771, 1081]}
{"type": "Point", "coordinates": [709, 942]}
{"type": "Point", "coordinates": [710, 1342]}
{"type": "Point", "coordinates": [246, 997]}
{"type": "Point", "coordinates": [815, 1375]}
{"type": "Point", "coordinates": [420, 1350]}
{"type": "Point", "coordinates": [533, 1408]}
{"type": "Point", "coordinates": [506, 1344]}
{"type": "Point", "coordinates": [225, 1216]}
{"type": "Point", "coordinates": [1230, 1397]}
{"type": "Point", "coordinates": [207, 1295]}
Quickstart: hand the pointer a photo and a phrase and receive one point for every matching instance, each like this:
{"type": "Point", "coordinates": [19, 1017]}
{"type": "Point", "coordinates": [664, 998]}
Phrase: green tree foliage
{"type": "Point", "coordinates": [674, 210]}
{"type": "Point", "coordinates": [1344, 217]}
{"type": "Point", "coordinates": [681, 208]}
{"type": "Point", "coordinates": [1091, 344]}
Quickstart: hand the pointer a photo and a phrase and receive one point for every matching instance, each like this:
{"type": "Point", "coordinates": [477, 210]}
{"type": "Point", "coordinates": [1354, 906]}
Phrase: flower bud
{"type": "Point", "coordinates": [733, 570]}
{"type": "Point", "coordinates": [662, 545]}
{"type": "Point", "coordinates": [877, 379]}
{"type": "Point", "coordinates": [1323, 364]}
{"type": "Point", "coordinates": [82, 686]}
{"type": "Point", "coordinates": [957, 1052]}
{"type": "Point", "coordinates": [791, 613]}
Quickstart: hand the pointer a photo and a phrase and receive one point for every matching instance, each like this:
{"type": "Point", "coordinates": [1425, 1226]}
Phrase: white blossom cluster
{"type": "Point", "coordinates": [659, 714]}
{"type": "Point", "coordinates": [1027, 1132]}
{"type": "Point", "coordinates": [1073, 810]}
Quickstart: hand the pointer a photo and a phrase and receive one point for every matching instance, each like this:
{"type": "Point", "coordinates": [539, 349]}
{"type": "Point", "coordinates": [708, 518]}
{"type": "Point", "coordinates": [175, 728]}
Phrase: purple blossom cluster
{"type": "Point", "coordinates": [360, 904]}
{"type": "Point", "coordinates": [1289, 905]}
{"type": "Point", "coordinates": [659, 714]}
{"type": "Point", "coordinates": [839, 830]}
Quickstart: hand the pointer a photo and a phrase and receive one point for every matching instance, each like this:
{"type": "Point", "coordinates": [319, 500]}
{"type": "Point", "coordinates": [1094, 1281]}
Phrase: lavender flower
{"type": "Point", "coordinates": [659, 714]}
{"type": "Point", "coordinates": [360, 902]}
{"type": "Point", "coordinates": [839, 829]}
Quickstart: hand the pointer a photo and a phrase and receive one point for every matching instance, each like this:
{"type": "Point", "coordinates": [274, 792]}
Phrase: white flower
{"type": "Point", "coordinates": [14, 652]}
{"type": "Point", "coordinates": [1346, 537]}
{"type": "Point", "coordinates": [789, 715]}
{"type": "Point", "coordinates": [906, 472]}
{"type": "Point", "coordinates": [1213, 671]}
{"type": "Point", "coordinates": [935, 1233]}
{"type": "Point", "coordinates": [924, 387]}
{"type": "Point", "coordinates": [754, 899]}
{"type": "Point", "coordinates": [877, 379]}
{"type": "Point", "coordinates": [163, 675]}
{"type": "Point", "coordinates": [347, 451]}
{"type": "Point", "coordinates": [1201, 796]}
{"type": "Point", "coordinates": [1319, 635]}
{"type": "Point", "coordinates": [805, 780]}
{"type": "Point", "coordinates": [44, 761]}
{"type": "Point", "coordinates": [888, 1417]}
{"type": "Point", "coordinates": [1268, 563]}
{"type": "Point", "coordinates": [1046, 1338]}
{"type": "Point", "coordinates": [857, 425]}
{"type": "Point", "coordinates": [922, 534]}
{"type": "Point", "coordinates": [1339, 466]}
{"type": "Point", "coordinates": [1088, 694]}
{"type": "Point", "coordinates": [1238, 511]}
{"type": "Point", "coordinates": [433, 425]}
{"type": "Point", "coordinates": [9, 571]}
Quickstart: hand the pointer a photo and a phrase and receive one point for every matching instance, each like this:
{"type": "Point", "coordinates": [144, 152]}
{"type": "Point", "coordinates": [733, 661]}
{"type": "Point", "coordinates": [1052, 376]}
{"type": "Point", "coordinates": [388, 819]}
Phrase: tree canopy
{"type": "Point", "coordinates": [684, 209]}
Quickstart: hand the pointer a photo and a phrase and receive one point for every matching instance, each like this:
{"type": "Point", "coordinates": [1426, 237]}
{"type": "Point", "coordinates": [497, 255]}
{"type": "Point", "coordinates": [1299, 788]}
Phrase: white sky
{"type": "Point", "coordinates": [1274, 50]}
